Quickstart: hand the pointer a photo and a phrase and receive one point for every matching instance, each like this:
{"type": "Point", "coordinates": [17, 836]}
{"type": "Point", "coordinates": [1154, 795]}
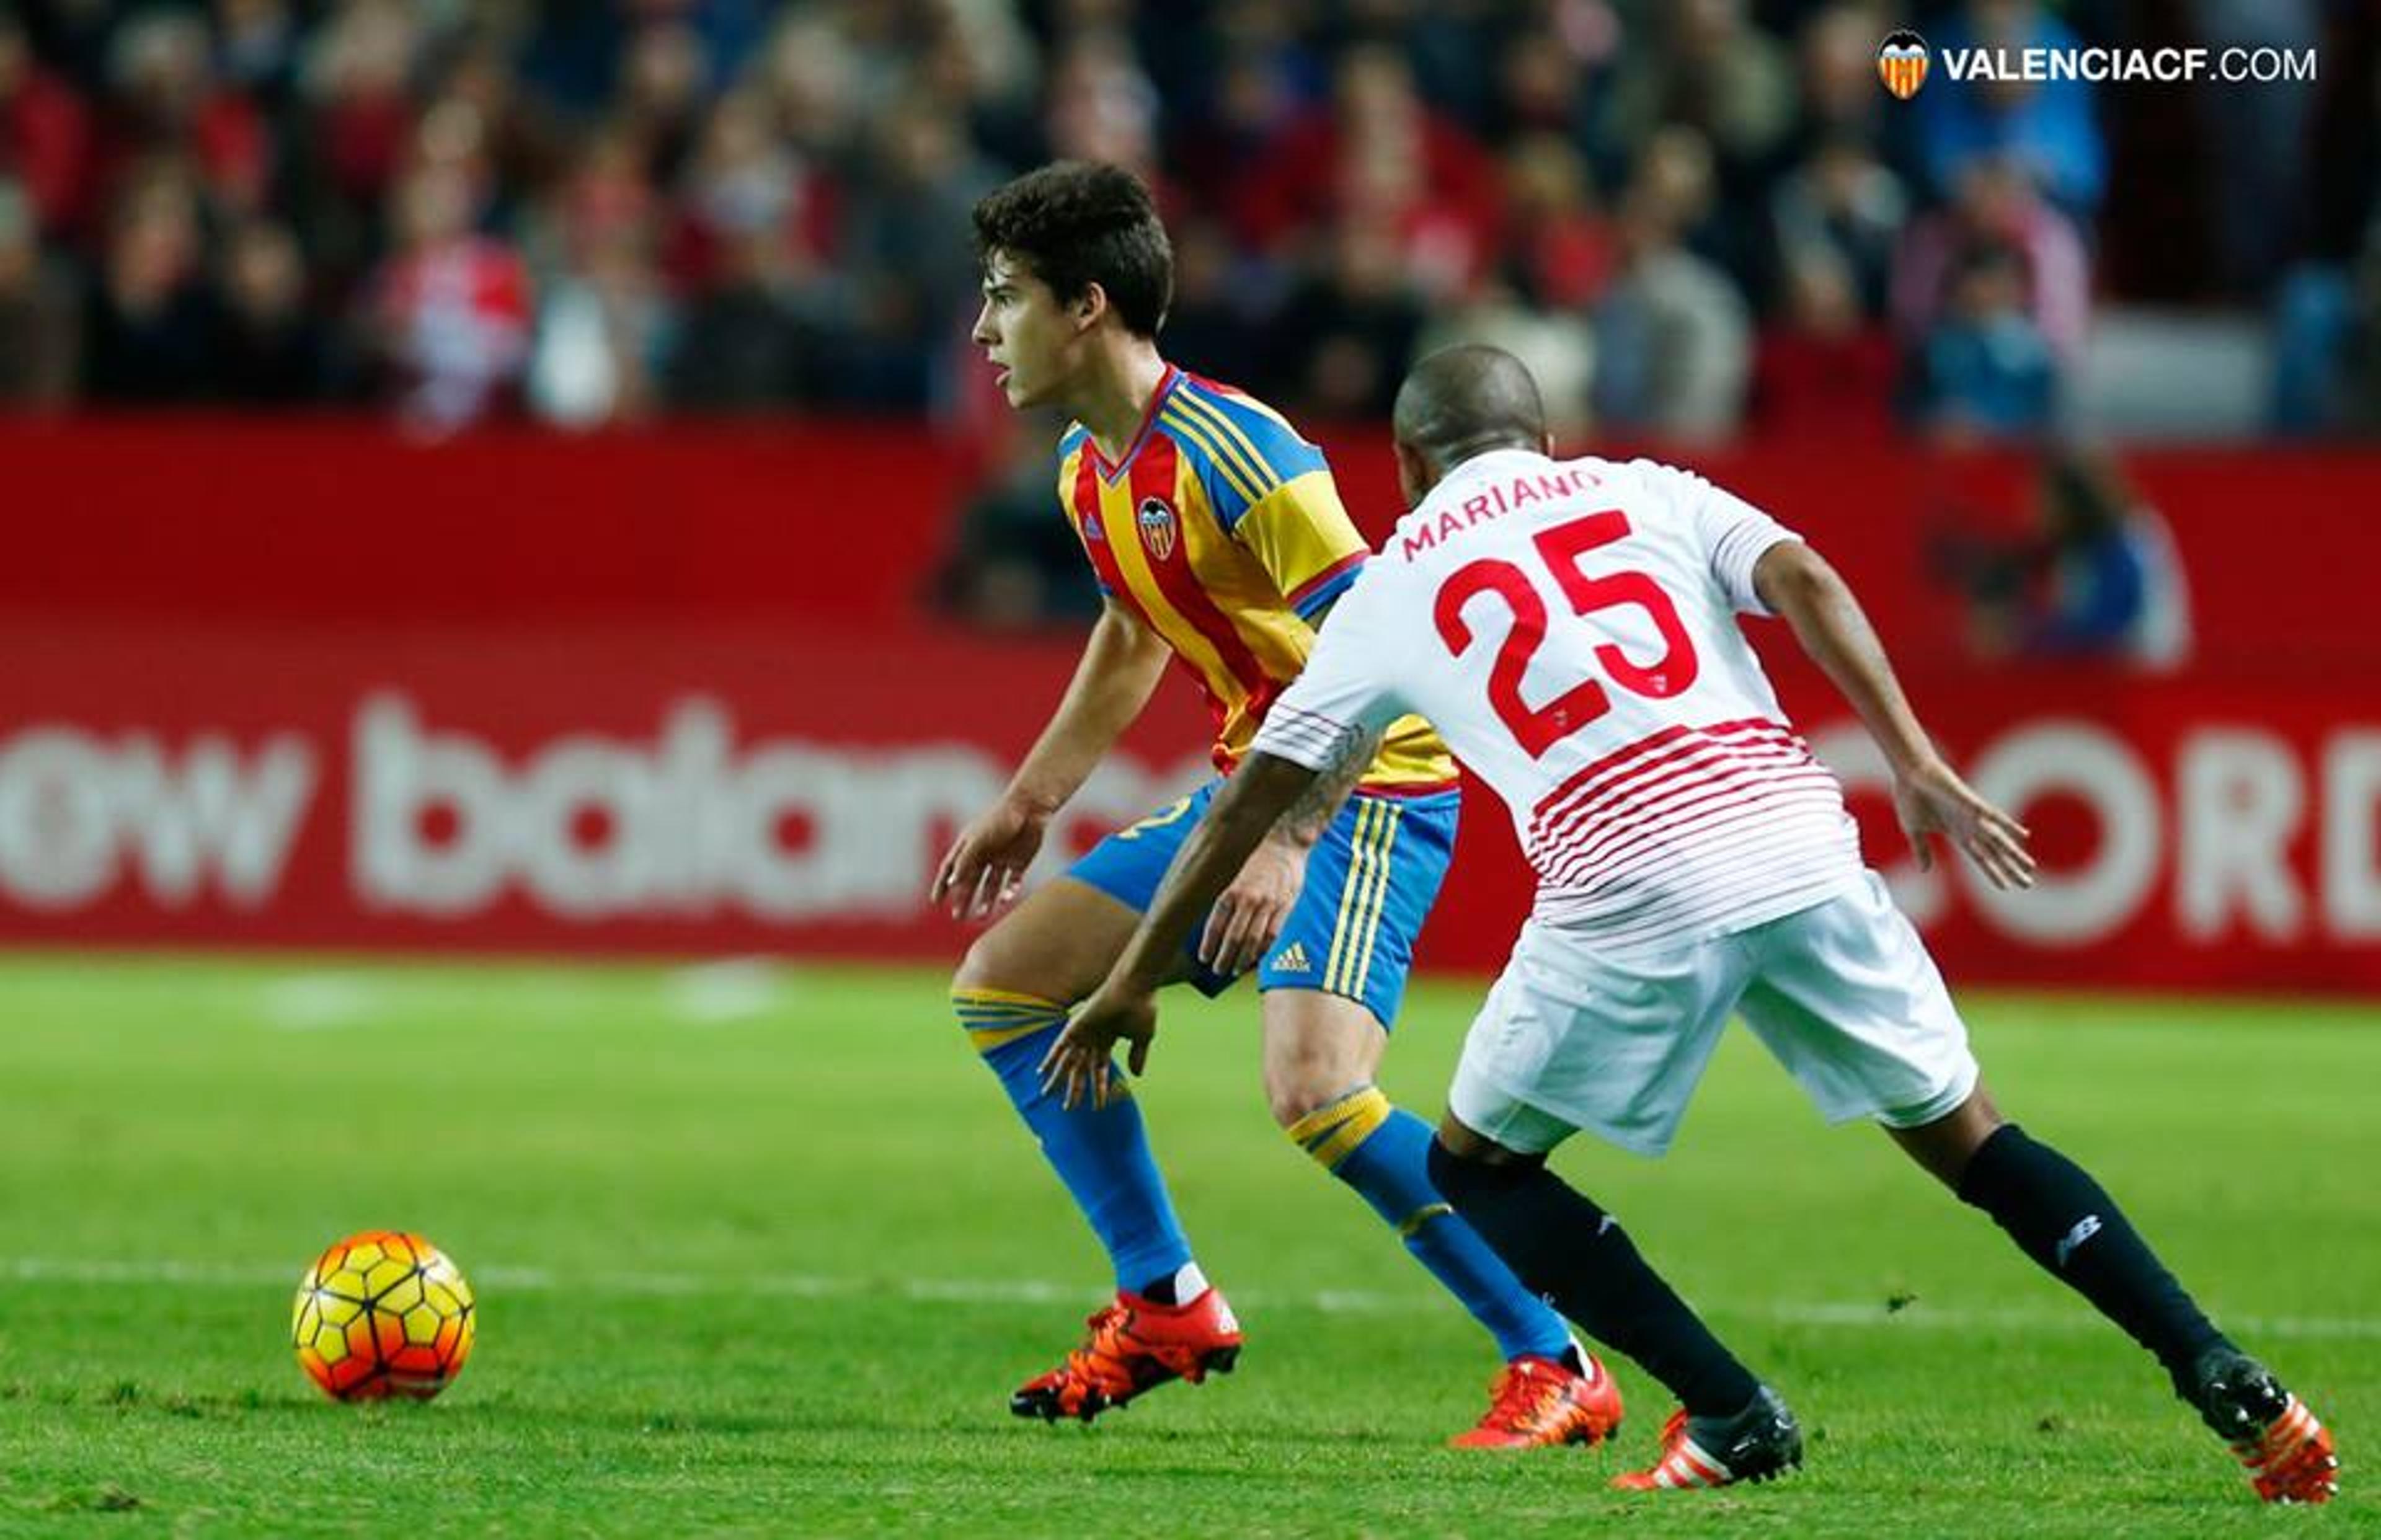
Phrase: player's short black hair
{"type": "Point", "coordinates": [1080, 223]}
{"type": "Point", "coordinates": [1467, 400]}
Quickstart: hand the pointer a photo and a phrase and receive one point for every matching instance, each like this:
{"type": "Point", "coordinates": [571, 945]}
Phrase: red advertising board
{"type": "Point", "coordinates": [671, 693]}
{"type": "Point", "coordinates": [642, 789]}
{"type": "Point", "coordinates": [624, 786]}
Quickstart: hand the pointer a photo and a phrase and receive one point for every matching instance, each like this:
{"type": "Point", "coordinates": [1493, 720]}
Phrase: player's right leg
{"type": "Point", "coordinates": [1332, 980]}
{"type": "Point", "coordinates": [1012, 993]}
{"type": "Point", "coordinates": [1570, 1038]}
{"type": "Point", "coordinates": [1323, 1052]}
{"type": "Point", "coordinates": [2071, 1228]}
{"type": "Point", "coordinates": [1849, 1001]}
{"type": "Point", "coordinates": [1730, 1428]}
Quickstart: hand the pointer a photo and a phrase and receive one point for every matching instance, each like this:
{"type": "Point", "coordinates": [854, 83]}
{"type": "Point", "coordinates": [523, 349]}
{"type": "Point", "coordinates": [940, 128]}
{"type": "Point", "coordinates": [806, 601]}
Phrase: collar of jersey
{"type": "Point", "coordinates": [1492, 457]}
{"type": "Point", "coordinates": [1109, 474]}
{"type": "Point", "coordinates": [1477, 465]}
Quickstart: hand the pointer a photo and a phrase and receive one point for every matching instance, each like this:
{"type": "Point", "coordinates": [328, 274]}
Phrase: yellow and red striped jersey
{"type": "Point", "coordinates": [1222, 530]}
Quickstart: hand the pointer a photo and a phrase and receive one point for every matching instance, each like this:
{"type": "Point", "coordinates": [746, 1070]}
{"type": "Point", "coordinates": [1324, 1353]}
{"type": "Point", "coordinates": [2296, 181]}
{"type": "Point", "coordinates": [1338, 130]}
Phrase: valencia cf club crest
{"type": "Point", "coordinates": [1159, 527]}
{"type": "Point", "coordinates": [1901, 63]}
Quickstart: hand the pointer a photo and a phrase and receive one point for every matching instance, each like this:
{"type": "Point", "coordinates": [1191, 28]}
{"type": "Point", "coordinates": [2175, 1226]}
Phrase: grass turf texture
{"type": "Point", "coordinates": [765, 1251]}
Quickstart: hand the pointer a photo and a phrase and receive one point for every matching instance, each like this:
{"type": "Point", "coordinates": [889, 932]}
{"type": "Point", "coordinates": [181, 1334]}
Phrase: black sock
{"type": "Point", "coordinates": [1562, 1246]}
{"type": "Point", "coordinates": [2064, 1220]}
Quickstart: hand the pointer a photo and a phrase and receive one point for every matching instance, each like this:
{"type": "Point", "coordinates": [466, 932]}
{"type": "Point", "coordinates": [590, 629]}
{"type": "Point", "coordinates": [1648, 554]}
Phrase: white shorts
{"type": "Point", "coordinates": [1843, 994]}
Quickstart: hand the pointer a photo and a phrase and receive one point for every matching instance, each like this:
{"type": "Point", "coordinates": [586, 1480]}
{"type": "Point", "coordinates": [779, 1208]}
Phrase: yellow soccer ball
{"type": "Point", "coordinates": [380, 1314]}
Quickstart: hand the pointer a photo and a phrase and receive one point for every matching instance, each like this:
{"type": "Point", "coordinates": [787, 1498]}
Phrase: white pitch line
{"type": "Point", "coordinates": [715, 994]}
{"type": "Point", "coordinates": [319, 1002]}
{"type": "Point", "coordinates": [1917, 1317]}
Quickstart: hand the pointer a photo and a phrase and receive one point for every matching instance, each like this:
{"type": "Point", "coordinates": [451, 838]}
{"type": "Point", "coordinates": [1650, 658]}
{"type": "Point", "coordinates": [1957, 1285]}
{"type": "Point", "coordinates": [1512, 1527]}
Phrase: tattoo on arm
{"type": "Point", "coordinates": [1307, 818]}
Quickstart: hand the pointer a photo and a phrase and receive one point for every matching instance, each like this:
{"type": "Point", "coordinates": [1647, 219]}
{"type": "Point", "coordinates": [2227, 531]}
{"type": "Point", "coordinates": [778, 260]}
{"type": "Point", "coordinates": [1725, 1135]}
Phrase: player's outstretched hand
{"type": "Point", "coordinates": [1935, 801]}
{"type": "Point", "coordinates": [986, 867]}
{"type": "Point", "coordinates": [1079, 1061]}
{"type": "Point", "coordinates": [1249, 914]}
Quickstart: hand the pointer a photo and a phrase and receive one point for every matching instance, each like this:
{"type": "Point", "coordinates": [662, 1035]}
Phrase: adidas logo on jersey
{"type": "Point", "coordinates": [1292, 960]}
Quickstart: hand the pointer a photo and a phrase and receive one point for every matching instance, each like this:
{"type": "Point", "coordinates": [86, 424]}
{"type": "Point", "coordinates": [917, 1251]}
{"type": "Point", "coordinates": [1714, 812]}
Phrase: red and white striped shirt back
{"type": "Point", "coordinates": [1570, 629]}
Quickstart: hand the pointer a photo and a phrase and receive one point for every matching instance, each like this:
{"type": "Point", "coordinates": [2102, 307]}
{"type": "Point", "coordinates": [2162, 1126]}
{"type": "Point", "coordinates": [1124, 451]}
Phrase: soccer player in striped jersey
{"type": "Point", "coordinates": [1570, 626]}
{"type": "Point", "coordinates": [1219, 542]}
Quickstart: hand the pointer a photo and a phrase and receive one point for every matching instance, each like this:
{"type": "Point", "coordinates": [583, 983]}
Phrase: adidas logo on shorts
{"type": "Point", "coordinates": [1292, 960]}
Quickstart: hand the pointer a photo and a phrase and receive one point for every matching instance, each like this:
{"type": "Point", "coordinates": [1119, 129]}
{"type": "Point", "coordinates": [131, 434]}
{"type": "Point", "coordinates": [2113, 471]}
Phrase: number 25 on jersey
{"type": "Point", "coordinates": [1538, 728]}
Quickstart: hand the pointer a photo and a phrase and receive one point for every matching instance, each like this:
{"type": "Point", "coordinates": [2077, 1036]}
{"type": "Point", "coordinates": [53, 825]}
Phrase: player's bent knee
{"type": "Point", "coordinates": [1332, 1127]}
{"type": "Point", "coordinates": [994, 960]}
{"type": "Point", "coordinates": [1319, 1049]}
{"type": "Point", "coordinates": [997, 1018]}
{"type": "Point", "coordinates": [1288, 1109]}
{"type": "Point", "coordinates": [995, 998]}
{"type": "Point", "coordinates": [979, 967]}
{"type": "Point", "coordinates": [1058, 945]}
{"type": "Point", "coordinates": [1298, 1092]}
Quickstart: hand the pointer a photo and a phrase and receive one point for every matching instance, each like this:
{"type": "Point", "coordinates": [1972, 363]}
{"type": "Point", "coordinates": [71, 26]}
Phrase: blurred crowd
{"type": "Point", "coordinates": [1690, 216]}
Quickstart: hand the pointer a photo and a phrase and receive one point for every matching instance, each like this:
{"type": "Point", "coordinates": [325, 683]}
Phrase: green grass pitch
{"type": "Point", "coordinates": [762, 1250]}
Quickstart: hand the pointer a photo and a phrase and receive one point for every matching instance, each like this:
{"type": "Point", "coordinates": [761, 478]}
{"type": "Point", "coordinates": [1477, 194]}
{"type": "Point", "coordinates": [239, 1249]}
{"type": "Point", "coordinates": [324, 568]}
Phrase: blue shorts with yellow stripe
{"type": "Point", "coordinates": [1370, 881]}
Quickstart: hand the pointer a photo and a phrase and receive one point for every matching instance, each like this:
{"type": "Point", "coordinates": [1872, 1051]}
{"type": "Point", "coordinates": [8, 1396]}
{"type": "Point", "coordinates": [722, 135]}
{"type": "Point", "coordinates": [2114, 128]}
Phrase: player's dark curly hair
{"type": "Point", "coordinates": [1080, 223]}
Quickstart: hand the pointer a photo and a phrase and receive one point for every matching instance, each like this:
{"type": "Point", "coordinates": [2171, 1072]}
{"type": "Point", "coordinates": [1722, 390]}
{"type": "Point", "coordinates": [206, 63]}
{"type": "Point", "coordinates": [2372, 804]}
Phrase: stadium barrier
{"type": "Point", "coordinates": [317, 687]}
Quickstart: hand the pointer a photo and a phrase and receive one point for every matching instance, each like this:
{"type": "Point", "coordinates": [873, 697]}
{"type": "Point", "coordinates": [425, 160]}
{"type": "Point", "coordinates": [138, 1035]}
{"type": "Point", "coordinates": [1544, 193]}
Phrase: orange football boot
{"type": "Point", "coordinates": [1757, 1444]}
{"type": "Point", "coordinates": [1539, 1402]}
{"type": "Point", "coordinates": [1132, 1346]}
{"type": "Point", "coordinates": [2287, 1453]}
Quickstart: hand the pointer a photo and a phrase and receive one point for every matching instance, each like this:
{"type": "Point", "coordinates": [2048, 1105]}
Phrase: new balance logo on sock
{"type": "Point", "coordinates": [2085, 1228]}
{"type": "Point", "coordinates": [1292, 960]}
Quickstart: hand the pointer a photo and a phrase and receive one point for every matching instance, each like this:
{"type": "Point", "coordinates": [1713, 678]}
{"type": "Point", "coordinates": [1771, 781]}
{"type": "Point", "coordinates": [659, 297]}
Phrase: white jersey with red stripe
{"type": "Point", "coordinates": [1570, 629]}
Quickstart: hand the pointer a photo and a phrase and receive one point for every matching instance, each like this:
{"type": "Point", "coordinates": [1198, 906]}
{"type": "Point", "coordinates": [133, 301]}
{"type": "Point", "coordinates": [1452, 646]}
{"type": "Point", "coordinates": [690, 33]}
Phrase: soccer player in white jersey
{"type": "Point", "coordinates": [1570, 629]}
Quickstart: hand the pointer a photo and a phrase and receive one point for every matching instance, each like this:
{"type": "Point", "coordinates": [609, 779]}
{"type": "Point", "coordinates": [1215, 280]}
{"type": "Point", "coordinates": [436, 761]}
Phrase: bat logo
{"type": "Point", "coordinates": [1901, 63]}
{"type": "Point", "coordinates": [1159, 529]}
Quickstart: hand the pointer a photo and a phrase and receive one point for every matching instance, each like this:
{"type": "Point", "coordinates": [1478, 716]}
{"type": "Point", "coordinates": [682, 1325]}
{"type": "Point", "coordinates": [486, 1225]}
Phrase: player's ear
{"type": "Point", "coordinates": [1089, 307]}
{"type": "Point", "coordinates": [1414, 478]}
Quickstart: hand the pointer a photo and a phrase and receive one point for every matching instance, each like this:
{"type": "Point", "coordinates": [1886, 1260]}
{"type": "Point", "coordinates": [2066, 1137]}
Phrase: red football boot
{"type": "Point", "coordinates": [1540, 1401]}
{"type": "Point", "coordinates": [1133, 1345]}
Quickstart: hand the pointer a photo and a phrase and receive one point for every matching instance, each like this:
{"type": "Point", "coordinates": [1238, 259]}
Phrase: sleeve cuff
{"type": "Point", "coordinates": [1327, 585]}
{"type": "Point", "coordinates": [1299, 737]}
{"type": "Point", "coordinates": [1739, 552]}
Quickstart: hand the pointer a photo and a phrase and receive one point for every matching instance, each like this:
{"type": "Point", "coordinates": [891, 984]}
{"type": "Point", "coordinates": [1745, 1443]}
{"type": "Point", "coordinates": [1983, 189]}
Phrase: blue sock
{"type": "Point", "coordinates": [1383, 1154]}
{"type": "Point", "coordinates": [1102, 1154]}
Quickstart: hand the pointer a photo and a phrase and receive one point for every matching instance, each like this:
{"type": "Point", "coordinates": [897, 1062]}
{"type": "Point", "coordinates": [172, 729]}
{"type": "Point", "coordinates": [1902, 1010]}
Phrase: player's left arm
{"type": "Point", "coordinates": [1797, 583]}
